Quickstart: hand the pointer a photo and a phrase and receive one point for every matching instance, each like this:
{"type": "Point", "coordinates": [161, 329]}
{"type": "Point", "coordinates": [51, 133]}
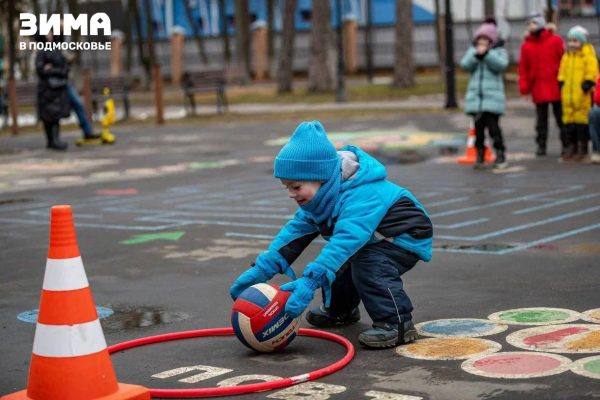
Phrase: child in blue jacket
{"type": "Point", "coordinates": [376, 231]}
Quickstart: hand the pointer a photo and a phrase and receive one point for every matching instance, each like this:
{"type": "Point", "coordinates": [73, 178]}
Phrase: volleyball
{"type": "Point", "coordinates": [259, 319]}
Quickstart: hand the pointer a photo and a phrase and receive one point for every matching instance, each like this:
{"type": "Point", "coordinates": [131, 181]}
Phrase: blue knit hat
{"type": "Point", "coordinates": [308, 156]}
{"type": "Point", "coordinates": [578, 32]}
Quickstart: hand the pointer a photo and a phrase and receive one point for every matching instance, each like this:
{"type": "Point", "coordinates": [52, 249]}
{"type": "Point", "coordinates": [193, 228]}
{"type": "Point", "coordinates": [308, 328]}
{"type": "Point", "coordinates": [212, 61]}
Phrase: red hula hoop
{"type": "Point", "coordinates": [241, 389]}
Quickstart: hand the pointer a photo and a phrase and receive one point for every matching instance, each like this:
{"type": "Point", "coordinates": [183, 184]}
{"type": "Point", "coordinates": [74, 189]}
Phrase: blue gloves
{"type": "Point", "coordinates": [248, 278]}
{"type": "Point", "coordinates": [303, 291]}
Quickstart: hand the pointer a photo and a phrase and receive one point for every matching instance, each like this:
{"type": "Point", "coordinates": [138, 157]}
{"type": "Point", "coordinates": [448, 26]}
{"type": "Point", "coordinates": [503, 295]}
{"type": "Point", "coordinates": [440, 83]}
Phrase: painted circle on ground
{"type": "Point", "coordinates": [448, 348]}
{"type": "Point", "coordinates": [569, 338]}
{"type": "Point", "coordinates": [591, 315]}
{"type": "Point", "coordinates": [459, 327]}
{"type": "Point", "coordinates": [31, 316]}
{"type": "Point", "coordinates": [535, 316]}
{"type": "Point", "coordinates": [516, 365]}
{"type": "Point", "coordinates": [589, 367]}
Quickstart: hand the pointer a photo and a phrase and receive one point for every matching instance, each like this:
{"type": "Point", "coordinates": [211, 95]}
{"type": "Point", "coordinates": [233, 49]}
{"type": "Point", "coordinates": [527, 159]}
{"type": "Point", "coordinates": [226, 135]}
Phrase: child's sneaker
{"type": "Point", "coordinates": [322, 318]}
{"type": "Point", "coordinates": [385, 335]}
{"type": "Point", "coordinates": [480, 160]}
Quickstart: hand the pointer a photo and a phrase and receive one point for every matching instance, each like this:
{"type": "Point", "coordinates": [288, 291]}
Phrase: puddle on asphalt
{"type": "Point", "coordinates": [491, 247]}
{"type": "Point", "coordinates": [127, 318]}
{"type": "Point", "coordinates": [14, 201]}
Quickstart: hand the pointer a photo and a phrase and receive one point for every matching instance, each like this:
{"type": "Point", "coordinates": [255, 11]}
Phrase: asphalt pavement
{"type": "Point", "coordinates": [168, 216]}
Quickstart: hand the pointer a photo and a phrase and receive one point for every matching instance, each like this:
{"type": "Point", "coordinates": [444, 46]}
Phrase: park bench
{"type": "Point", "coordinates": [193, 82]}
{"type": "Point", "coordinates": [26, 96]}
{"type": "Point", "coordinates": [119, 90]}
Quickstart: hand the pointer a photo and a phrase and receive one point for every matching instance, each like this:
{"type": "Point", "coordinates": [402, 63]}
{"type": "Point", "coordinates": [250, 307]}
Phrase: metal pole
{"type": "Point", "coordinates": [368, 42]}
{"type": "Point", "coordinates": [340, 95]}
{"type": "Point", "coordinates": [12, 85]}
{"type": "Point", "coordinates": [450, 82]}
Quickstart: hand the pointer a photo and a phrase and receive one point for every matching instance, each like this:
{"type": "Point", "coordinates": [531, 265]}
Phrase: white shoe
{"type": "Point", "coordinates": [595, 158]}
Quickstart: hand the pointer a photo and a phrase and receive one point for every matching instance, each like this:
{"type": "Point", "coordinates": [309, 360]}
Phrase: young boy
{"type": "Point", "coordinates": [594, 125]}
{"type": "Point", "coordinates": [376, 231]}
{"type": "Point", "coordinates": [486, 61]}
{"type": "Point", "coordinates": [577, 74]}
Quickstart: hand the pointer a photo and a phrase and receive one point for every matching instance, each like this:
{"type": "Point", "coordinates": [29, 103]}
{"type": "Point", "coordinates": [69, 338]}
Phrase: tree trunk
{"type": "Point", "coordinates": [404, 73]}
{"type": "Point", "coordinates": [74, 9]}
{"type": "Point", "coordinates": [224, 33]}
{"type": "Point", "coordinates": [285, 71]}
{"type": "Point", "coordinates": [140, 41]}
{"type": "Point", "coordinates": [195, 33]}
{"type": "Point", "coordinates": [128, 39]}
{"type": "Point", "coordinates": [242, 39]}
{"type": "Point", "coordinates": [489, 8]}
{"type": "Point", "coordinates": [321, 68]}
{"type": "Point", "coordinates": [150, 32]}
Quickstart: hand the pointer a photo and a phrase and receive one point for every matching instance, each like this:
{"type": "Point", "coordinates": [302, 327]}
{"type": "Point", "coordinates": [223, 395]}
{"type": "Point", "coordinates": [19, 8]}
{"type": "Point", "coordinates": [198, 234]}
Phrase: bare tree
{"type": "Point", "coordinates": [321, 68]}
{"type": "Point", "coordinates": [404, 72]}
{"type": "Point", "coordinates": [224, 33]}
{"type": "Point", "coordinates": [286, 53]}
{"type": "Point", "coordinates": [242, 38]}
{"type": "Point", "coordinates": [195, 32]}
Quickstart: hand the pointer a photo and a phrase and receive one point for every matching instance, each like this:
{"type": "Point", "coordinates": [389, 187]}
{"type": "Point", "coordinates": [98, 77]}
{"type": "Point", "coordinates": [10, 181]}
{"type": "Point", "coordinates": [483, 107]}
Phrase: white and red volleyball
{"type": "Point", "coordinates": [259, 319]}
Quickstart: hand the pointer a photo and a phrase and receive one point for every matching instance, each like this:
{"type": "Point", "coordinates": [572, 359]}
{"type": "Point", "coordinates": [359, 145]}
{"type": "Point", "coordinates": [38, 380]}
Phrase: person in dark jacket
{"type": "Point", "coordinates": [376, 231]}
{"type": "Point", "coordinates": [486, 60]}
{"type": "Point", "coordinates": [53, 97]}
{"type": "Point", "coordinates": [541, 53]}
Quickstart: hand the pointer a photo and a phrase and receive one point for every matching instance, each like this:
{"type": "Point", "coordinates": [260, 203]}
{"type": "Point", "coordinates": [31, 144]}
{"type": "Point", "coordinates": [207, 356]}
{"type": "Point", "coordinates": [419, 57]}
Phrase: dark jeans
{"type": "Point", "coordinates": [77, 106]}
{"type": "Point", "coordinates": [577, 137]}
{"type": "Point", "coordinates": [491, 122]}
{"type": "Point", "coordinates": [541, 123]}
{"type": "Point", "coordinates": [373, 275]}
{"type": "Point", "coordinates": [595, 128]}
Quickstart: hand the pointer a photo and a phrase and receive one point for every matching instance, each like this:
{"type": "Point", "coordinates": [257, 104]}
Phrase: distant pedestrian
{"type": "Point", "coordinates": [485, 100]}
{"type": "Point", "coordinates": [53, 97]}
{"type": "Point", "coordinates": [577, 76]}
{"type": "Point", "coordinates": [594, 127]}
{"type": "Point", "coordinates": [541, 53]}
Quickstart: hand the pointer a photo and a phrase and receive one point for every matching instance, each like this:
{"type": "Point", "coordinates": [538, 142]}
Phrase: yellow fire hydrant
{"type": "Point", "coordinates": [108, 119]}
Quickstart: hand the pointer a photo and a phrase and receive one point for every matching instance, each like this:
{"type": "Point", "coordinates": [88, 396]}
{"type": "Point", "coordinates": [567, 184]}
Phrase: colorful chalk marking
{"type": "Point", "coordinates": [448, 348]}
{"type": "Point", "coordinates": [571, 338]}
{"type": "Point", "coordinates": [591, 315]}
{"type": "Point", "coordinates": [459, 327]}
{"type": "Point", "coordinates": [588, 367]}
{"type": "Point", "coordinates": [535, 316]}
{"type": "Point", "coordinates": [31, 316]}
{"type": "Point", "coordinates": [516, 365]}
{"type": "Point", "coordinates": [151, 237]}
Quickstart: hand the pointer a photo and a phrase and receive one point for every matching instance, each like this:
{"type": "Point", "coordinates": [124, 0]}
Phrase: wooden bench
{"type": "Point", "coordinates": [193, 82]}
{"type": "Point", "coordinates": [26, 96]}
{"type": "Point", "coordinates": [119, 89]}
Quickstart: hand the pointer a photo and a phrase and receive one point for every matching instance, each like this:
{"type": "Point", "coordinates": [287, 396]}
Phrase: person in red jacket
{"type": "Point", "coordinates": [594, 125]}
{"type": "Point", "coordinates": [541, 53]}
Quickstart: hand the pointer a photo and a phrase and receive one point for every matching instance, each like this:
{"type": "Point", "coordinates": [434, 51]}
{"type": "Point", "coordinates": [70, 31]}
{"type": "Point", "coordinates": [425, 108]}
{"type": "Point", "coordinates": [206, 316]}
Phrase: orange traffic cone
{"type": "Point", "coordinates": [69, 360]}
{"type": "Point", "coordinates": [471, 152]}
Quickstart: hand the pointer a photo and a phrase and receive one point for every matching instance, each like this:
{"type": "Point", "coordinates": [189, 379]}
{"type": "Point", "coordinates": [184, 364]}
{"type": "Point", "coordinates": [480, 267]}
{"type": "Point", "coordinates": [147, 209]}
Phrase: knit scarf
{"type": "Point", "coordinates": [321, 206]}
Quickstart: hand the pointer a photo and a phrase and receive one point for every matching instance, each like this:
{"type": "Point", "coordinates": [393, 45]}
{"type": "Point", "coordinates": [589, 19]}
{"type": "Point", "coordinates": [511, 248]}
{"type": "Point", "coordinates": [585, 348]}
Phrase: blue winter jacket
{"type": "Point", "coordinates": [485, 91]}
{"type": "Point", "coordinates": [369, 209]}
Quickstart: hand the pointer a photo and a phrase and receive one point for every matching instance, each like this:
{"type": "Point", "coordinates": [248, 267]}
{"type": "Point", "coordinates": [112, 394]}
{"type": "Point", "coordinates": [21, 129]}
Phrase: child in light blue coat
{"type": "Point", "coordinates": [375, 232]}
{"type": "Point", "coordinates": [485, 100]}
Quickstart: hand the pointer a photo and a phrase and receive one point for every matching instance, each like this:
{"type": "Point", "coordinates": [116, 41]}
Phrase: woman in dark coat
{"type": "Point", "coordinates": [53, 99]}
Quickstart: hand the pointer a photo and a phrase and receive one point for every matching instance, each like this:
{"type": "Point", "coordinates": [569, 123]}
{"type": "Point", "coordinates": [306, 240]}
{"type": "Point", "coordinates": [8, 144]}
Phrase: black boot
{"type": "Point", "coordinates": [56, 144]}
{"type": "Point", "coordinates": [500, 161]}
{"type": "Point", "coordinates": [321, 317]}
{"type": "Point", "coordinates": [385, 335]}
{"type": "Point", "coordinates": [541, 151]}
{"type": "Point", "coordinates": [480, 160]}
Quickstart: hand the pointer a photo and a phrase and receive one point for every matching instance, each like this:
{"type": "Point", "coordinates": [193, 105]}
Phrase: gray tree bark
{"type": "Point", "coordinates": [285, 72]}
{"type": "Point", "coordinates": [242, 39]}
{"type": "Point", "coordinates": [321, 69]}
{"type": "Point", "coordinates": [404, 71]}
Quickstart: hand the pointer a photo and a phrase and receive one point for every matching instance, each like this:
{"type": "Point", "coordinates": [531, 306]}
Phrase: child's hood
{"type": "Point", "coordinates": [359, 168]}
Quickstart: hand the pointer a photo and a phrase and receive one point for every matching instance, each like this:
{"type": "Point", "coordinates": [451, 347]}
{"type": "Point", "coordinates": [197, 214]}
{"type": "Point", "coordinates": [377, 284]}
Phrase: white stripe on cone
{"type": "Point", "coordinates": [68, 340]}
{"type": "Point", "coordinates": [64, 274]}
